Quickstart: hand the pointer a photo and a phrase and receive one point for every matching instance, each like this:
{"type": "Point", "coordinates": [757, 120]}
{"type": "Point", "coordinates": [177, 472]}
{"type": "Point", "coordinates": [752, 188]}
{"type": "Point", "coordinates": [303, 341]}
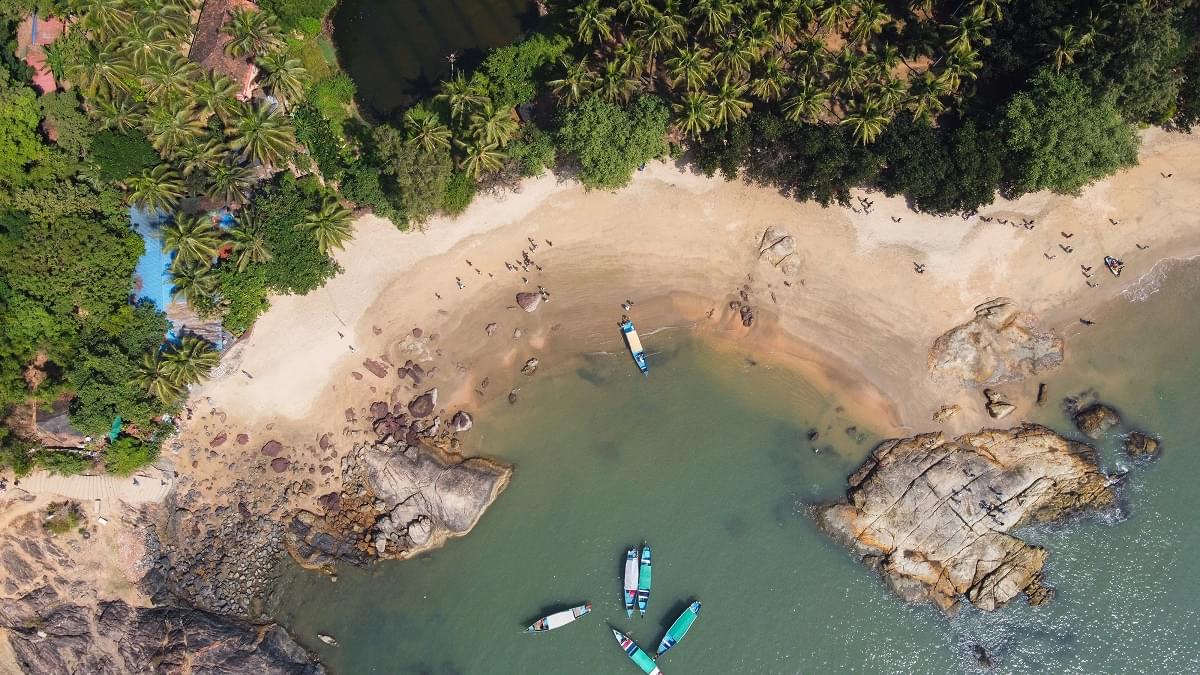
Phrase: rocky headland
{"type": "Point", "coordinates": [935, 516]}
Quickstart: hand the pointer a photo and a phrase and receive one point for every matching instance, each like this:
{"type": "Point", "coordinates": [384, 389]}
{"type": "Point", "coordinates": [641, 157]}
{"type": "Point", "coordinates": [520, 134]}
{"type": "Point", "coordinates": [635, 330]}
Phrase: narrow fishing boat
{"type": "Point", "coordinates": [1115, 266]}
{"type": "Point", "coordinates": [643, 589]}
{"type": "Point", "coordinates": [680, 628]}
{"type": "Point", "coordinates": [631, 580]}
{"type": "Point", "coordinates": [635, 345]}
{"type": "Point", "coordinates": [559, 619]}
{"type": "Point", "coordinates": [636, 653]}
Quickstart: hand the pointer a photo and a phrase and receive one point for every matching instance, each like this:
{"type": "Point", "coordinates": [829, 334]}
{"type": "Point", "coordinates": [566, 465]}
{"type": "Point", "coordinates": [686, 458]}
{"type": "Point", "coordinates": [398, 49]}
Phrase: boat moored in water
{"type": "Point", "coordinates": [636, 653]}
{"type": "Point", "coordinates": [559, 619]}
{"type": "Point", "coordinates": [643, 589]}
{"type": "Point", "coordinates": [680, 628]}
{"type": "Point", "coordinates": [631, 580]}
{"type": "Point", "coordinates": [635, 345]}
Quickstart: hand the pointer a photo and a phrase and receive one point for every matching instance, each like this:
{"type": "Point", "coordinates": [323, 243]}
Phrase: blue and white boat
{"type": "Point", "coordinates": [635, 345]}
{"type": "Point", "coordinates": [643, 590]}
{"type": "Point", "coordinates": [630, 589]}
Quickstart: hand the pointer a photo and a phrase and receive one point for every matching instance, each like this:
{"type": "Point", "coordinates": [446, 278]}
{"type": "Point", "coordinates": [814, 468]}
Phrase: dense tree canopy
{"type": "Point", "coordinates": [610, 141]}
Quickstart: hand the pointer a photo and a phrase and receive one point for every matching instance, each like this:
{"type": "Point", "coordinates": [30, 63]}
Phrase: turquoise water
{"type": "Point", "coordinates": [708, 461]}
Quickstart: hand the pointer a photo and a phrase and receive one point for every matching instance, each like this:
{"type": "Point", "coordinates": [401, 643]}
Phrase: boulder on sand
{"type": "Point", "coordinates": [1095, 419]}
{"type": "Point", "coordinates": [529, 301]}
{"type": "Point", "coordinates": [490, 329]}
{"type": "Point", "coordinates": [423, 405]}
{"type": "Point", "coordinates": [530, 367]}
{"type": "Point", "coordinates": [1141, 446]}
{"type": "Point", "coordinates": [996, 406]}
{"type": "Point", "coordinates": [461, 421]}
{"type": "Point", "coordinates": [280, 464]}
{"type": "Point", "coordinates": [272, 448]}
{"type": "Point", "coordinates": [1001, 344]}
{"type": "Point", "coordinates": [935, 516]}
{"type": "Point", "coordinates": [776, 245]}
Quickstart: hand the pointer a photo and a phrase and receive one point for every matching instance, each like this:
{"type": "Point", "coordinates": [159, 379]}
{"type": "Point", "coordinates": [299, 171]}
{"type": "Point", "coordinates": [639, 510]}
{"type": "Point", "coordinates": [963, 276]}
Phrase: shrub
{"type": "Point", "coordinates": [460, 190]}
{"type": "Point", "coordinates": [243, 295]}
{"type": "Point", "coordinates": [511, 71]}
{"type": "Point", "coordinates": [316, 133]}
{"type": "Point", "coordinates": [294, 14]}
{"type": "Point", "coordinates": [297, 265]}
{"type": "Point", "coordinates": [533, 151]}
{"type": "Point", "coordinates": [63, 463]}
{"type": "Point", "coordinates": [61, 518]}
{"type": "Point", "coordinates": [331, 96]}
{"type": "Point", "coordinates": [128, 454]}
{"type": "Point", "coordinates": [609, 141]}
{"type": "Point", "coordinates": [72, 129]}
{"type": "Point", "coordinates": [363, 186]}
{"type": "Point", "coordinates": [121, 155]}
{"type": "Point", "coordinates": [16, 454]}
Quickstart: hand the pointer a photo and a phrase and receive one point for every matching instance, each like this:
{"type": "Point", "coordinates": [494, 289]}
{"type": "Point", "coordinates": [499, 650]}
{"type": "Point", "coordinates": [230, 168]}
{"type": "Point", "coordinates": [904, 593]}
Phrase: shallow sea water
{"type": "Point", "coordinates": [708, 461]}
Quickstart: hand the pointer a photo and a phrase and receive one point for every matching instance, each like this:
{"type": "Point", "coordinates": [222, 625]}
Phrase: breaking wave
{"type": "Point", "coordinates": [1151, 282]}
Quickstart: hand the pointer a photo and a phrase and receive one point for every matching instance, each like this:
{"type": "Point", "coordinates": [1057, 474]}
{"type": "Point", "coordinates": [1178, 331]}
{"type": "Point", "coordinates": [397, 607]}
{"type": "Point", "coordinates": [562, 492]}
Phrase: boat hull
{"type": "Point", "coordinates": [631, 580]}
{"type": "Point", "coordinates": [635, 346]}
{"type": "Point", "coordinates": [636, 653]}
{"type": "Point", "coordinates": [644, 571]}
{"type": "Point", "coordinates": [559, 619]}
{"type": "Point", "coordinates": [680, 628]}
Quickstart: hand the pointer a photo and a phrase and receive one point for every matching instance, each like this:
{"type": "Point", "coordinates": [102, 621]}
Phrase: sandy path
{"type": "Point", "coordinates": [856, 316]}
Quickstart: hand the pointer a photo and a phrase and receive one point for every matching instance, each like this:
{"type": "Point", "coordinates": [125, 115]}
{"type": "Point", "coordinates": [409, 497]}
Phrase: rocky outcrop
{"type": "Point", "coordinates": [997, 406]}
{"type": "Point", "coordinates": [397, 500]}
{"type": "Point", "coordinates": [934, 516]}
{"type": "Point", "coordinates": [51, 634]}
{"type": "Point", "coordinates": [1141, 446]}
{"type": "Point", "coordinates": [1096, 419]}
{"type": "Point", "coordinates": [1001, 344]}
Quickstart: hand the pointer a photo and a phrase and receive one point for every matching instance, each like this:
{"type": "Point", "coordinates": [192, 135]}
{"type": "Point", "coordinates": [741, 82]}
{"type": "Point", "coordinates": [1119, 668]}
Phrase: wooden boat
{"type": "Point", "coordinates": [1115, 266]}
{"type": "Point", "coordinates": [631, 580]}
{"type": "Point", "coordinates": [327, 639]}
{"type": "Point", "coordinates": [635, 345]}
{"type": "Point", "coordinates": [643, 589]}
{"type": "Point", "coordinates": [636, 653]}
{"type": "Point", "coordinates": [559, 619]}
{"type": "Point", "coordinates": [680, 628]}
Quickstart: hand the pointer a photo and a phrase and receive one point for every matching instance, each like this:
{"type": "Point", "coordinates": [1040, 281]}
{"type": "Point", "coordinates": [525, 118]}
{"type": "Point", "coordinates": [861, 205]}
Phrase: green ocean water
{"type": "Point", "coordinates": [708, 461]}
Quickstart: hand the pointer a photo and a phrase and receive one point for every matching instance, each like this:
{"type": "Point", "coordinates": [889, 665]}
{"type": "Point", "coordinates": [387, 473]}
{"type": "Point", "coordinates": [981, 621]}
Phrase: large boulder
{"type": "Point", "coordinates": [529, 301]}
{"type": "Point", "coordinates": [776, 245]}
{"type": "Point", "coordinates": [423, 405]}
{"type": "Point", "coordinates": [1001, 344]}
{"type": "Point", "coordinates": [935, 516]}
{"type": "Point", "coordinates": [1141, 446]}
{"type": "Point", "coordinates": [1096, 419]}
{"type": "Point", "coordinates": [461, 422]}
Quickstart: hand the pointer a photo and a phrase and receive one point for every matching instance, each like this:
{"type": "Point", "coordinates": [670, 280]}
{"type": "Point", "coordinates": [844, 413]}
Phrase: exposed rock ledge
{"type": "Point", "coordinates": [1001, 344]}
{"type": "Point", "coordinates": [49, 634]}
{"type": "Point", "coordinates": [397, 501]}
{"type": "Point", "coordinates": [934, 516]}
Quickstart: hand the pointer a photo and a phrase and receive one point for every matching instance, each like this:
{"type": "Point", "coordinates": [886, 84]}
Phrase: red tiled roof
{"type": "Point", "coordinates": [33, 36]}
{"type": "Point", "coordinates": [208, 44]}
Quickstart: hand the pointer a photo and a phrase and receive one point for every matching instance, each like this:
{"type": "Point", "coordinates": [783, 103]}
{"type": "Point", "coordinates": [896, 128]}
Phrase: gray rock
{"type": "Point", "coordinates": [272, 448]}
{"type": "Point", "coordinates": [529, 301]}
{"type": "Point", "coordinates": [997, 406]}
{"type": "Point", "coordinates": [1001, 344]}
{"type": "Point", "coordinates": [424, 405]}
{"type": "Point", "coordinates": [490, 329]}
{"type": "Point", "coordinates": [1096, 419]}
{"type": "Point", "coordinates": [461, 422]}
{"type": "Point", "coordinates": [530, 367]}
{"type": "Point", "coordinates": [1141, 446]}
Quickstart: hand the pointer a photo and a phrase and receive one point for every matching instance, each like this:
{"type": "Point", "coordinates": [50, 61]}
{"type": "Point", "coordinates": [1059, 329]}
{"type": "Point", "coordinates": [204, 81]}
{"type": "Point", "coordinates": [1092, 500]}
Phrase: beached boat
{"type": "Point", "coordinates": [559, 619]}
{"type": "Point", "coordinates": [1115, 266]}
{"type": "Point", "coordinates": [636, 653]}
{"type": "Point", "coordinates": [631, 580]}
{"type": "Point", "coordinates": [635, 344]}
{"type": "Point", "coordinates": [643, 589]}
{"type": "Point", "coordinates": [680, 628]}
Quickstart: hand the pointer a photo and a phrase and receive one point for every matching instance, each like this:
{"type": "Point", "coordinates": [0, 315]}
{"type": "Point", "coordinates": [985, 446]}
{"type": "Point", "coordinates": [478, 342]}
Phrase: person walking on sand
{"type": "Point", "coordinates": [461, 285]}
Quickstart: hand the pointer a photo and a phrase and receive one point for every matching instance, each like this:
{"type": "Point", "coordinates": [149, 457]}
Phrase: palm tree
{"type": "Point", "coordinates": [988, 8]}
{"type": "Point", "coordinates": [152, 377]}
{"type": "Point", "coordinates": [285, 77]}
{"type": "Point", "coordinates": [168, 75]}
{"type": "Point", "coordinates": [614, 85]}
{"type": "Point", "coordinates": [576, 82]}
{"type": "Point", "coordinates": [884, 59]}
{"type": "Point", "coordinates": [104, 17]}
{"type": "Point", "coordinates": [782, 19]}
{"type": "Point", "coordinates": [249, 244]}
{"type": "Point", "coordinates": [872, 17]}
{"type": "Point", "coordinates": [807, 104]}
{"type": "Point", "coordinates": [729, 101]}
{"type": "Point", "coordinates": [190, 361]}
{"type": "Point", "coordinates": [591, 20]}
{"type": "Point", "coordinates": [697, 112]}
{"type": "Point", "coordinates": [690, 66]}
{"type": "Point", "coordinates": [714, 15]}
{"type": "Point", "coordinates": [157, 189]}
{"type": "Point", "coordinates": [631, 56]}
{"type": "Point", "coordinates": [836, 14]}
{"type": "Point", "coordinates": [262, 135]}
{"type": "Point", "coordinates": [171, 126]}
{"type": "Point", "coordinates": [196, 284]}
{"type": "Point", "coordinates": [735, 55]}
{"type": "Point", "coordinates": [144, 39]}
{"type": "Point", "coordinates": [98, 68]}
{"type": "Point", "coordinates": [174, 15]}
{"type": "Point", "coordinates": [772, 80]}
{"type": "Point", "coordinates": [330, 226]}
{"type": "Point", "coordinates": [926, 91]}
{"type": "Point", "coordinates": [659, 33]}
{"type": "Point", "coordinates": [492, 126]}
{"type": "Point", "coordinates": [200, 156]}
{"type": "Point", "coordinates": [1067, 44]}
{"type": "Point", "coordinates": [852, 73]}
{"type": "Point", "coordinates": [638, 9]}
{"type": "Point", "coordinates": [194, 238]}
{"type": "Point", "coordinates": [810, 57]}
{"type": "Point", "coordinates": [251, 33]}
{"type": "Point", "coordinates": [214, 93]}
{"type": "Point", "coordinates": [229, 183]}
{"type": "Point", "coordinates": [891, 92]}
{"type": "Point", "coordinates": [461, 94]}
{"type": "Point", "coordinates": [479, 158]}
{"type": "Point", "coordinates": [958, 66]}
{"type": "Point", "coordinates": [966, 35]}
{"type": "Point", "coordinates": [120, 113]}
{"type": "Point", "coordinates": [867, 120]}
{"type": "Point", "coordinates": [425, 130]}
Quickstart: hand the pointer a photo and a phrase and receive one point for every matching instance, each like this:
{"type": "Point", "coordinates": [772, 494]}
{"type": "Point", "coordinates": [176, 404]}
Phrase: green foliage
{"type": "Point", "coordinates": [417, 176]}
{"type": "Point", "coordinates": [62, 517]}
{"type": "Point", "coordinates": [16, 454]}
{"type": "Point", "coordinates": [332, 96]}
{"type": "Point", "coordinates": [316, 133]}
{"type": "Point", "coordinates": [244, 296]}
{"type": "Point", "coordinates": [460, 190]}
{"type": "Point", "coordinates": [1061, 136]}
{"type": "Point", "coordinates": [20, 143]}
{"type": "Point", "coordinates": [939, 170]}
{"type": "Point", "coordinates": [1139, 65]}
{"type": "Point", "coordinates": [512, 72]}
{"type": "Point", "coordinates": [128, 454]}
{"type": "Point", "coordinates": [533, 151]}
{"type": "Point", "coordinates": [294, 14]}
{"type": "Point", "coordinates": [71, 128]}
{"type": "Point", "coordinates": [363, 186]}
{"type": "Point", "coordinates": [297, 264]}
{"type": "Point", "coordinates": [64, 463]}
{"type": "Point", "coordinates": [609, 142]}
{"type": "Point", "coordinates": [119, 155]}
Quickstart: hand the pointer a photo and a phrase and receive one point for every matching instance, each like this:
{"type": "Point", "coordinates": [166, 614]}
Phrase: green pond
{"type": "Point", "coordinates": [708, 461]}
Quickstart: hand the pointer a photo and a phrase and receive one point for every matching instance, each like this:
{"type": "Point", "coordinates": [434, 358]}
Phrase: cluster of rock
{"type": "Point", "coordinates": [1001, 344]}
{"type": "Point", "coordinates": [934, 516]}
{"type": "Point", "coordinates": [1095, 420]}
{"type": "Point", "coordinates": [778, 248]}
{"type": "Point", "coordinates": [52, 634]}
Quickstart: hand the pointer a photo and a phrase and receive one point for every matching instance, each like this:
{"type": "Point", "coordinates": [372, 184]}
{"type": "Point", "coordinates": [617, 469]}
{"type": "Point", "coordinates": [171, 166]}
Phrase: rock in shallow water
{"type": "Point", "coordinates": [1141, 446]}
{"type": "Point", "coordinates": [1095, 419]}
{"type": "Point", "coordinates": [934, 516]}
{"type": "Point", "coordinates": [423, 405]}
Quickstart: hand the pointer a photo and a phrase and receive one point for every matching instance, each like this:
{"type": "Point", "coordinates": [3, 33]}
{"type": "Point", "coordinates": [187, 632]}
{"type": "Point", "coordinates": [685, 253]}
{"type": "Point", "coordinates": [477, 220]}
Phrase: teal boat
{"type": "Point", "coordinates": [680, 628]}
{"type": "Point", "coordinates": [636, 653]}
{"type": "Point", "coordinates": [643, 588]}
